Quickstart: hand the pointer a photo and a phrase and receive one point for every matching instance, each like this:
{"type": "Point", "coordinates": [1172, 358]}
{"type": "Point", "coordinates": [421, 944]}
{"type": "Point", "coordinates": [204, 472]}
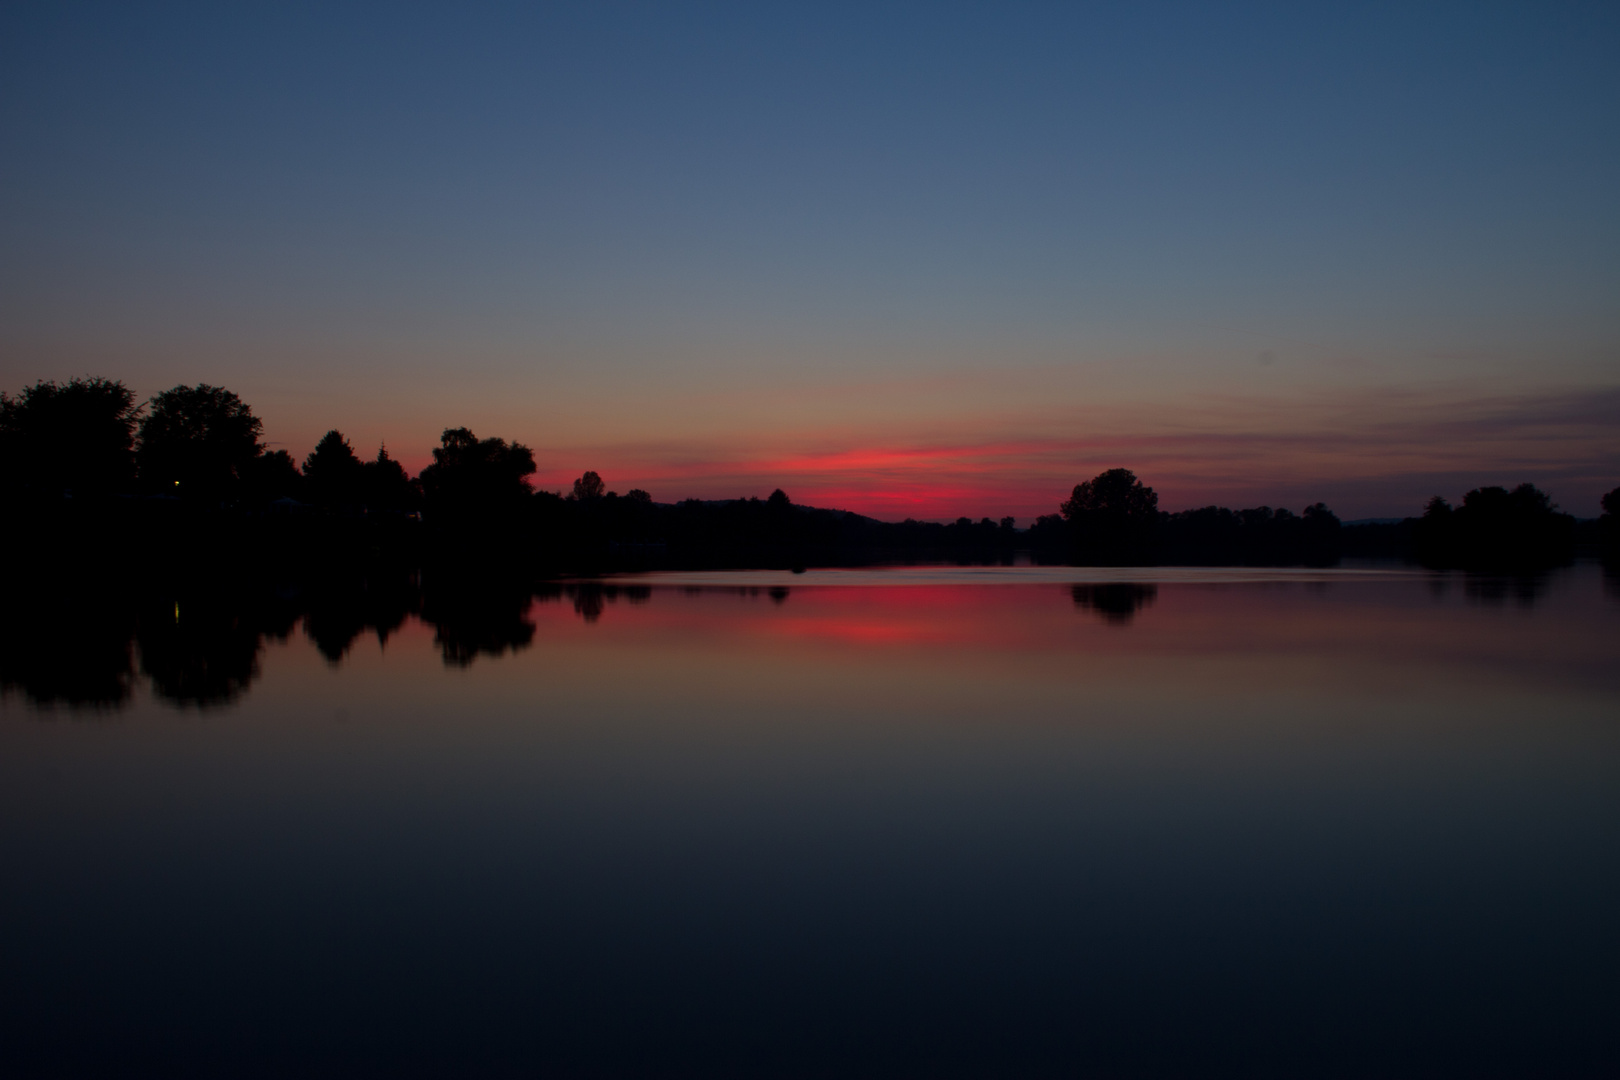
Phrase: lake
{"type": "Point", "coordinates": [917, 822]}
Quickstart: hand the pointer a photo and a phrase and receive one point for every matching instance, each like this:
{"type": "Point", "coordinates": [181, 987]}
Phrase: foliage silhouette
{"type": "Point", "coordinates": [1609, 525]}
{"type": "Point", "coordinates": [1112, 516]}
{"type": "Point", "coordinates": [270, 476]}
{"type": "Point", "coordinates": [1495, 528]}
{"type": "Point", "coordinates": [472, 476]}
{"type": "Point", "coordinates": [197, 442]}
{"type": "Point", "coordinates": [589, 486]}
{"type": "Point", "coordinates": [336, 479]}
{"type": "Point", "coordinates": [1259, 535]}
{"type": "Point", "coordinates": [386, 486]}
{"type": "Point", "coordinates": [77, 439]}
{"type": "Point", "coordinates": [333, 474]}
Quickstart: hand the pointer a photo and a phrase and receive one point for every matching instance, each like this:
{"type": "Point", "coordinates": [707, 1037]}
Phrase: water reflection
{"type": "Point", "coordinates": [202, 647]}
{"type": "Point", "coordinates": [1523, 590]}
{"type": "Point", "coordinates": [1115, 601]}
{"type": "Point", "coordinates": [199, 644]}
{"type": "Point", "coordinates": [88, 645]}
{"type": "Point", "coordinates": [340, 611]}
{"type": "Point", "coordinates": [589, 600]}
{"type": "Point", "coordinates": [67, 646]}
{"type": "Point", "coordinates": [1259, 825]}
{"type": "Point", "coordinates": [478, 618]}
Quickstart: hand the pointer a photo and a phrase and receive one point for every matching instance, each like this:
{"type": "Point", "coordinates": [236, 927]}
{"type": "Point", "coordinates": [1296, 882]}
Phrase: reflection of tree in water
{"type": "Point", "coordinates": [1116, 601]}
{"type": "Point", "coordinates": [199, 643]}
{"type": "Point", "coordinates": [202, 648]}
{"type": "Point", "coordinates": [338, 611]}
{"type": "Point", "coordinates": [475, 619]}
{"type": "Point", "coordinates": [67, 646]}
{"type": "Point", "coordinates": [590, 598]}
{"type": "Point", "coordinates": [1523, 589]}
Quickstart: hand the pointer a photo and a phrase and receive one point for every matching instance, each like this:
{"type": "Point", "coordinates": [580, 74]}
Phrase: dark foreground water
{"type": "Point", "coordinates": [913, 823]}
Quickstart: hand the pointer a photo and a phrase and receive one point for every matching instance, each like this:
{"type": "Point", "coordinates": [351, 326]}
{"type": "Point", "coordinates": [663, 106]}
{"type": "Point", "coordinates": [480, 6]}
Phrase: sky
{"type": "Point", "coordinates": [910, 260]}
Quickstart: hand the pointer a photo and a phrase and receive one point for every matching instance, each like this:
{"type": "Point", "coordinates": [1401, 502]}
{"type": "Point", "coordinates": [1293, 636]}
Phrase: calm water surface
{"type": "Point", "coordinates": [899, 823]}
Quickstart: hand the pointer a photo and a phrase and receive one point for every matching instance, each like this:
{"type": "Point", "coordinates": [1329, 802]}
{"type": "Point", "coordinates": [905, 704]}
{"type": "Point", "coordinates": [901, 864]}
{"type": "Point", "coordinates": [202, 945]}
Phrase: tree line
{"type": "Point", "coordinates": [1114, 517]}
{"type": "Point", "coordinates": [201, 449]}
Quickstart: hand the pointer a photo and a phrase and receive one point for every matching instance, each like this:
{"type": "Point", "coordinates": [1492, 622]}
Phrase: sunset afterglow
{"type": "Point", "coordinates": [929, 263]}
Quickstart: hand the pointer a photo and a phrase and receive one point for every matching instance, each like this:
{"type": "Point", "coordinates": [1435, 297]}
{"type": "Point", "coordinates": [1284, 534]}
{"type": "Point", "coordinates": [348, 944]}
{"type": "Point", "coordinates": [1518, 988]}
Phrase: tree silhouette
{"type": "Point", "coordinates": [1113, 514]}
{"type": "Point", "coordinates": [1115, 493]}
{"type": "Point", "coordinates": [385, 484]}
{"type": "Point", "coordinates": [1495, 527]}
{"type": "Point", "coordinates": [469, 474]}
{"type": "Point", "coordinates": [273, 475]}
{"type": "Point", "coordinates": [332, 472]}
{"type": "Point", "coordinates": [1609, 526]}
{"type": "Point", "coordinates": [589, 486]}
{"type": "Point", "coordinates": [197, 442]}
{"type": "Point", "coordinates": [1318, 517]}
{"type": "Point", "coordinates": [76, 439]}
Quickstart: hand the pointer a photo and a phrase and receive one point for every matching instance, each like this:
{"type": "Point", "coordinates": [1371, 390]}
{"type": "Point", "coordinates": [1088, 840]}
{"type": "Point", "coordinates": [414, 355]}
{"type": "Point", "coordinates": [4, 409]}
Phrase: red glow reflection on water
{"type": "Point", "coordinates": [1310, 625]}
